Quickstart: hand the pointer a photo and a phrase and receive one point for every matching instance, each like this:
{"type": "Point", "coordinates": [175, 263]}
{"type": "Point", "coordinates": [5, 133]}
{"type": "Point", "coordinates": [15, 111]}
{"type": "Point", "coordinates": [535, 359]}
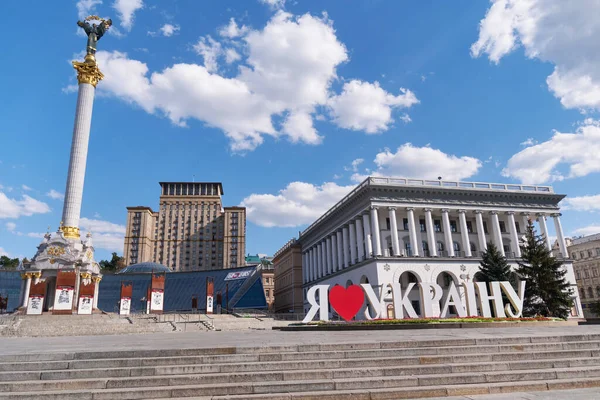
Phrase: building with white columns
{"type": "Point", "coordinates": [411, 230]}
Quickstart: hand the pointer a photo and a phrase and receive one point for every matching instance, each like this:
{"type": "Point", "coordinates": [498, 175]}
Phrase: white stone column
{"type": "Point", "coordinates": [340, 250]}
{"type": "Point", "coordinates": [464, 232]}
{"type": "Point", "coordinates": [368, 238]}
{"type": "Point", "coordinates": [313, 264]}
{"type": "Point", "coordinates": [480, 231]}
{"type": "Point", "coordinates": [27, 289]}
{"type": "Point", "coordinates": [319, 261]}
{"type": "Point", "coordinates": [328, 257]}
{"type": "Point", "coordinates": [96, 291]}
{"type": "Point", "coordinates": [352, 234]}
{"type": "Point", "coordinates": [544, 230]}
{"type": "Point", "coordinates": [334, 252]}
{"type": "Point", "coordinates": [394, 228]}
{"type": "Point", "coordinates": [447, 232]}
{"type": "Point", "coordinates": [430, 233]}
{"type": "Point", "coordinates": [345, 247]}
{"type": "Point", "coordinates": [323, 257]}
{"type": "Point", "coordinates": [560, 236]}
{"type": "Point", "coordinates": [78, 160]}
{"type": "Point", "coordinates": [414, 245]}
{"type": "Point", "coordinates": [304, 268]}
{"type": "Point", "coordinates": [375, 231]}
{"type": "Point", "coordinates": [514, 236]}
{"type": "Point", "coordinates": [525, 221]}
{"type": "Point", "coordinates": [497, 236]}
{"type": "Point", "coordinates": [360, 239]}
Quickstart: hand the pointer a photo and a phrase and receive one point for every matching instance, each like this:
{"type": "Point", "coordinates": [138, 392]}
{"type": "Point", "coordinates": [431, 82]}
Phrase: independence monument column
{"type": "Point", "coordinates": [88, 75]}
{"type": "Point", "coordinates": [63, 276]}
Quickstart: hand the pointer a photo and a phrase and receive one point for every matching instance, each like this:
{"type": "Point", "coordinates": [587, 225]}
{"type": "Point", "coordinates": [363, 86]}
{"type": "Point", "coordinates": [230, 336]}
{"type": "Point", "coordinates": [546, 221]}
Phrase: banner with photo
{"type": "Point", "coordinates": [85, 305]}
{"type": "Point", "coordinates": [63, 299]}
{"type": "Point", "coordinates": [35, 305]}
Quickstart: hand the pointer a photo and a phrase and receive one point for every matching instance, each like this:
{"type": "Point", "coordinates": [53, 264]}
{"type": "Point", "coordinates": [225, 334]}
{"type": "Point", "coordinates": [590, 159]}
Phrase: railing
{"type": "Point", "coordinates": [432, 183]}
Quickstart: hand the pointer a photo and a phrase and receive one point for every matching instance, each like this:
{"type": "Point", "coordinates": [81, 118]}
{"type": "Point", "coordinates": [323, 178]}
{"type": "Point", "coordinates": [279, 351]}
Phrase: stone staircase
{"type": "Point", "coordinates": [376, 370]}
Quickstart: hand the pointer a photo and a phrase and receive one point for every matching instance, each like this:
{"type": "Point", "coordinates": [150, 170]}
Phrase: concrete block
{"type": "Point", "coordinates": [30, 386]}
{"type": "Point", "coordinates": [470, 358]}
{"type": "Point", "coordinates": [417, 370]}
{"type": "Point", "coordinates": [19, 376]}
{"type": "Point", "coordinates": [456, 379]}
{"type": "Point", "coordinates": [561, 384]}
{"type": "Point", "coordinates": [33, 366]}
{"type": "Point", "coordinates": [297, 386]}
{"type": "Point", "coordinates": [85, 374]}
{"type": "Point", "coordinates": [346, 347]}
{"type": "Point", "coordinates": [406, 393]}
{"type": "Point", "coordinates": [305, 375]}
{"type": "Point", "coordinates": [137, 382]}
{"type": "Point", "coordinates": [517, 387]}
{"type": "Point", "coordinates": [72, 395]}
{"type": "Point", "coordinates": [466, 390]}
{"type": "Point", "coordinates": [467, 350]}
{"type": "Point", "coordinates": [109, 363]}
{"type": "Point", "coordinates": [374, 383]}
{"type": "Point", "coordinates": [520, 376]}
{"type": "Point", "coordinates": [346, 395]}
{"type": "Point", "coordinates": [477, 367]}
{"type": "Point", "coordinates": [358, 373]}
{"type": "Point", "coordinates": [131, 394]}
{"type": "Point", "coordinates": [182, 370]}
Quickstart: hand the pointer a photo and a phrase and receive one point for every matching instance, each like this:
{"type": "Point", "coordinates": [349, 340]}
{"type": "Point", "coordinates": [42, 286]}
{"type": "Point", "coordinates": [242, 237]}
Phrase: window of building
{"type": "Point", "coordinates": [485, 227]}
{"type": "Point", "coordinates": [437, 225]}
{"type": "Point", "coordinates": [581, 254]}
{"type": "Point", "coordinates": [595, 272]}
{"type": "Point", "coordinates": [423, 226]}
{"type": "Point", "coordinates": [388, 224]}
{"type": "Point", "coordinates": [578, 275]}
{"type": "Point", "coordinates": [582, 293]}
{"type": "Point", "coordinates": [590, 254]}
{"type": "Point", "coordinates": [440, 246]}
{"type": "Point", "coordinates": [405, 223]}
{"type": "Point", "coordinates": [502, 226]}
{"type": "Point", "coordinates": [453, 227]}
{"type": "Point", "coordinates": [574, 256]}
{"type": "Point", "coordinates": [587, 273]}
{"type": "Point", "coordinates": [518, 227]}
{"type": "Point", "coordinates": [590, 292]}
{"type": "Point", "coordinates": [469, 227]}
{"type": "Point", "coordinates": [456, 247]}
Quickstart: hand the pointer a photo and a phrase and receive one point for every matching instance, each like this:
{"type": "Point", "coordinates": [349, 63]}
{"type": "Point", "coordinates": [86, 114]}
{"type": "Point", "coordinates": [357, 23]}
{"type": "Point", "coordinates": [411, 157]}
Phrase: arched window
{"type": "Point", "coordinates": [456, 246]}
{"type": "Point", "coordinates": [582, 293]}
{"type": "Point", "coordinates": [590, 292]}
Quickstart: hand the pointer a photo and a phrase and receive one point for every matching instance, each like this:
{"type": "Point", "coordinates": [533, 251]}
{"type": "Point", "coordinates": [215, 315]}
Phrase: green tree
{"type": "Point", "coordinates": [493, 266]}
{"type": "Point", "coordinates": [115, 264]}
{"type": "Point", "coordinates": [8, 263]}
{"type": "Point", "coordinates": [547, 292]}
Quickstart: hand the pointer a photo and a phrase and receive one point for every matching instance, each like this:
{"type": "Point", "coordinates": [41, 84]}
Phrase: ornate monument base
{"type": "Point", "coordinates": [63, 276]}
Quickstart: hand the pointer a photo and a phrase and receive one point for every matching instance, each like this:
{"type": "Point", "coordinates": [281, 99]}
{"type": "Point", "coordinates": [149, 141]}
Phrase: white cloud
{"type": "Point", "coordinates": [35, 235]}
{"type": "Point", "coordinates": [100, 226]}
{"type": "Point", "coordinates": [354, 165]}
{"type": "Point", "coordinates": [11, 226]}
{"type": "Point", "coordinates": [231, 55]}
{"type": "Point", "coordinates": [86, 7]}
{"type": "Point", "coordinates": [422, 163]}
{"type": "Point", "coordinates": [105, 235]}
{"type": "Point", "coordinates": [587, 230]}
{"type": "Point", "coordinates": [529, 142]}
{"type": "Point", "coordinates": [366, 106]}
{"type": "Point", "coordinates": [233, 30]}
{"type": "Point", "coordinates": [53, 194]}
{"type": "Point", "coordinates": [299, 203]}
{"type": "Point", "coordinates": [27, 206]}
{"type": "Point", "coordinates": [4, 252]}
{"type": "Point", "coordinates": [169, 30]}
{"type": "Point", "coordinates": [126, 10]}
{"type": "Point", "coordinates": [582, 203]}
{"type": "Point", "coordinates": [274, 4]}
{"type": "Point", "coordinates": [563, 33]}
{"type": "Point", "coordinates": [579, 151]}
{"type": "Point", "coordinates": [26, 188]}
{"type": "Point", "coordinates": [210, 50]}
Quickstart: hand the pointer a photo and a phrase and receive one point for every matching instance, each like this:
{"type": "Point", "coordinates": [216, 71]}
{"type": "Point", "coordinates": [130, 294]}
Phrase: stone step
{"type": "Point", "coordinates": [339, 367]}
{"type": "Point", "coordinates": [229, 355]}
{"type": "Point", "coordinates": [297, 348]}
{"type": "Point", "coordinates": [303, 380]}
{"type": "Point", "coordinates": [309, 391]}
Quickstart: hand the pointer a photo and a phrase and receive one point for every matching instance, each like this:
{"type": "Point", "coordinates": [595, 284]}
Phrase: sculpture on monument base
{"type": "Point", "coordinates": [93, 31]}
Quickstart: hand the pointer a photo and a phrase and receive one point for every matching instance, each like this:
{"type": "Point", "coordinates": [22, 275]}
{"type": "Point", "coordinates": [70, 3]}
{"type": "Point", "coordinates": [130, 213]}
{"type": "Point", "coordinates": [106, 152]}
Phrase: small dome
{"type": "Point", "coordinates": [144, 268]}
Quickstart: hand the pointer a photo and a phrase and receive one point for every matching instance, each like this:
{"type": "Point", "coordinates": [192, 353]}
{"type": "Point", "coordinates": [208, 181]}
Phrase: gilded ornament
{"type": "Point", "coordinates": [86, 275]}
{"type": "Point", "coordinates": [55, 251]}
{"type": "Point", "coordinates": [70, 232]}
{"type": "Point", "coordinates": [88, 71]}
{"type": "Point", "coordinates": [52, 261]}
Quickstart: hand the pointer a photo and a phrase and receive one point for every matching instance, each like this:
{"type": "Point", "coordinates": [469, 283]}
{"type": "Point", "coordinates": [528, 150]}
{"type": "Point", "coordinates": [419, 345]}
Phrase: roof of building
{"type": "Point", "coordinates": [145, 268]}
{"type": "Point", "coordinates": [585, 239]}
{"type": "Point", "coordinates": [201, 183]}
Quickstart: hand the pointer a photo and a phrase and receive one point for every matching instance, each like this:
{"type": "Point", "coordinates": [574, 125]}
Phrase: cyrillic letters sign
{"type": "Point", "coordinates": [347, 302]}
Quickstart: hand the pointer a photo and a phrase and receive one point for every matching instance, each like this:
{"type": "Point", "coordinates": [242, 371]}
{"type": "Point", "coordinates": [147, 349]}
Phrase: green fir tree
{"type": "Point", "coordinates": [493, 266]}
{"type": "Point", "coordinates": [547, 293]}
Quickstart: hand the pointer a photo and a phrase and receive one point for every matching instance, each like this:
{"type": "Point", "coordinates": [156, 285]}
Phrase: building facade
{"type": "Point", "coordinates": [409, 230]}
{"type": "Point", "coordinates": [288, 278]}
{"type": "Point", "coordinates": [190, 231]}
{"type": "Point", "coordinates": [268, 281]}
{"type": "Point", "coordinates": [585, 252]}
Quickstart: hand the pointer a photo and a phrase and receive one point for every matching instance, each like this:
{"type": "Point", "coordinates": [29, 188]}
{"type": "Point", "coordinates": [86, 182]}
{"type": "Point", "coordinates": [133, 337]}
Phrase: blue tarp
{"type": "Point", "coordinates": [180, 287]}
{"type": "Point", "coordinates": [10, 285]}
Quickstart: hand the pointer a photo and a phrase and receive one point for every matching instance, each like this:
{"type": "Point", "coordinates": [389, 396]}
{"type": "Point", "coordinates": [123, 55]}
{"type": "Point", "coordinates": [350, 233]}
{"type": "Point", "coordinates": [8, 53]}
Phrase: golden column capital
{"type": "Point", "coordinates": [88, 71]}
{"type": "Point", "coordinates": [96, 279]}
{"type": "Point", "coordinates": [85, 275]}
{"type": "Point", "coordinates": [70, 232]}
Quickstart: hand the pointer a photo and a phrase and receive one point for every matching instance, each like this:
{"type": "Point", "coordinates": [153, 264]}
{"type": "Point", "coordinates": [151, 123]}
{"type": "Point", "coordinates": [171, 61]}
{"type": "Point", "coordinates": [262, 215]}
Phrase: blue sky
{"type": "Point", "coordinates": [291, 103]}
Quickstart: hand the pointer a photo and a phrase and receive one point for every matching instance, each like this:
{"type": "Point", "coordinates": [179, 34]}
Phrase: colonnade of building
{"type": "Point", "coordinates": [361, 237]}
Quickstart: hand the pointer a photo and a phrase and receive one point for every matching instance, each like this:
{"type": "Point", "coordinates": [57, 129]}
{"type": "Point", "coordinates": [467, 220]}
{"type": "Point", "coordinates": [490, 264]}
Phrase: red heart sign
{"type": "Point", "coordinates": [346, 302]}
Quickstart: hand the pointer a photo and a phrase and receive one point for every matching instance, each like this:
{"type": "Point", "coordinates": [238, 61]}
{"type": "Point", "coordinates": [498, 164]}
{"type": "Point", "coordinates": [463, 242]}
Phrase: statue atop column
{"type": "Point", "coordinates": [94, 31]}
